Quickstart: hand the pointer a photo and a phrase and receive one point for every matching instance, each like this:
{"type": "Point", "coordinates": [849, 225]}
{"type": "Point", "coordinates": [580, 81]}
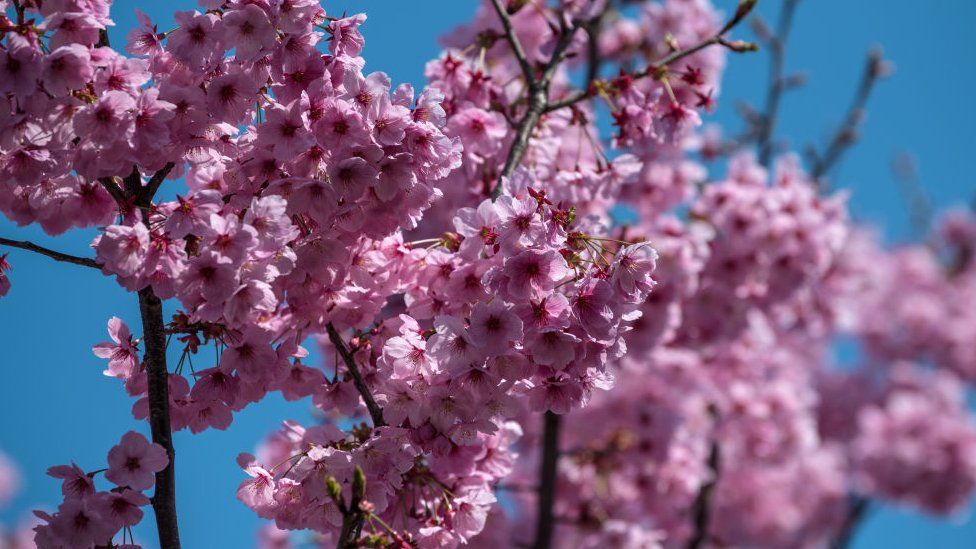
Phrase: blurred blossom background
{"type": "Point", "coordinates": [917, 140]}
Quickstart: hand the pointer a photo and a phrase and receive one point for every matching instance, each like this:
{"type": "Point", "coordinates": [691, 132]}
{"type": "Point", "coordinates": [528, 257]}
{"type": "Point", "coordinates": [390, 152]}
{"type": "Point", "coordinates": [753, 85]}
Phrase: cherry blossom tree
{"type": "Point", "coordinates": [555, 310]}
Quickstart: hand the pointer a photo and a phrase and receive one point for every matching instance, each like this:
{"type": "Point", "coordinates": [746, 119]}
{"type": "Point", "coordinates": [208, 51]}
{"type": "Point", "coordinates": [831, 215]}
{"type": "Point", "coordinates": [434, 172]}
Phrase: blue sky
{"type": "Point", "coordinates": [57, 407]}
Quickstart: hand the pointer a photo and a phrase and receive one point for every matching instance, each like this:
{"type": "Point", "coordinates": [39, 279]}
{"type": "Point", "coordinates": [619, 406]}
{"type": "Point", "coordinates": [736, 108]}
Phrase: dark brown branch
{"type": "Point", "coordinates": [352, 516]}
{"type": "Point", "coordinates": [538, 90]}
{"type": "Point", "coordinates": [154, 336]}
{"type": "Point", "coordinates": [19, 8]}
{"type": "Point", "coordinates": [375, 411]}
{"type": "Point", "coordinates": [513, 41]}
{"type": "Point", "coordinates": [571, 99]}
{"type": "Point", "coordinates": [155, 181]}
{"type": "Point", "coordinates": [777, 47]}
{"type": "Point", "coordinates": [524, 129]}
{"type": "Point", "coordinates": [548, 474]}
{"type": "Point", "coordinates": [132, 187]}
{"type": "Point", "coordinates": [701, 510]}
{"type": "Point", "coordinates": [352, 524]}
{"type": "Point", "coordinates": [846, 134]}
{"type": "Point", "coordinates": [114, 189]}
{"type": "Point", "coordinates": [57, 256]}
{"type": "Point", "coordinates": [103, 41]}
{"type": "Point", "coordinates": [857, 512]}
{"type": "Point", "coordinates": [594, 29]}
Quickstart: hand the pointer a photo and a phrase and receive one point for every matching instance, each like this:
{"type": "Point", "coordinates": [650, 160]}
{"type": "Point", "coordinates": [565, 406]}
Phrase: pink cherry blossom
{"type": "Point", "coordinates": [494, 326]}
{"type": "Point", "coordinates": [248, 30]}
{"type": "Point", "coordinates": [528, 282]}
{"type": "Point", "coordinates": [66, 68]}
{"type": "Point", "coordinates": [134, 461]}
{"type": "Point", "coordinates": [122, 249]}
{"type": "Point", "coordinates": [122, 354]}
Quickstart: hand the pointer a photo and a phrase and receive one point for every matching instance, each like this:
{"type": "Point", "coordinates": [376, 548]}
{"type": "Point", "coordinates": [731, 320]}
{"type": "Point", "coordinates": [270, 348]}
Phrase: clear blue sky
{"type": "Point", "coordinates": [56, 406]}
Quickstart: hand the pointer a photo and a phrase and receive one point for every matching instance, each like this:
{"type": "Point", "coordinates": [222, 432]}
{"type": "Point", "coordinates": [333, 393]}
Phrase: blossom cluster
{"type": "Point", "coordinates": [435, 499]}
{"type": "Point", "coordinates": [294, 162]}
{"type": "Point", "coordinates": [681, 324]}
{"type": "Point", "coordinates": [744, 404]}
{"type": "Point", "coordinates": [89, 517]}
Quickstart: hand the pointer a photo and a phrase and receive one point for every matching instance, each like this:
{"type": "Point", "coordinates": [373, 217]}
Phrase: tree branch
{"type": "Point", "coordinates": [856, 514]}
{"type": "Point", "coordinates": [846, 134]}
{"type": "Point", "coordinates": [154, 335]}
{"type": "Point", "coordinates": [375, 411]}
{"type": "Point", "coordinates": [538, 87]}
{"type": "Point", "coordinates": [918, 204]}
{"type": "Point", "coordinates": [548, 469]}
{"type": "Point", "coordinates": [352, 516]}
{"type": "Point", "coordinates": [57, 256]}
{"type": "Point", "coordinates": [155, 181]}
{"type": "Point", "coordinates": [538, 91]}
{"type": "Point", "coordinates": [113, 189]}
{"type": "Point", "coordinates": [777, 45]}
{"type": "Point", "coordinates": [701, 509]}
{"type": "Point", "coordinates": [513, 41]}
{"type": "Point", "coordinates": [662, 63]}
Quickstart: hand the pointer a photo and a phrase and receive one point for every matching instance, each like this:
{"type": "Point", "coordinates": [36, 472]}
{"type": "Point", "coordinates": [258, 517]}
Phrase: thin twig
{"type": "Point", "coordinates": [593, 29]}
{"type": "Point", "coordinates": [846, 134]}
{"type": "Point", "coordinates": [918, 204]}
{"type": "Point", "coordinates": [659, 65]}
{"type": "Point", "coordinates": [538, 90]}
{"type": "Point", "coordinates": [548, 469]}
{"type": "Point", "coordinates": [514, 42]}
{"type": "Point", "coordinates": [677, 56]}
{"type": "Point", "coordinates": [19, 8]}
{"type": "Point", "coordinates": [777, 46]}
{"type": "Point", "coordinates": [57, 256]}
{"type": "Point", "coordinates": [351, 530]}
{"type": "Point", "coordinates": [375, 411]}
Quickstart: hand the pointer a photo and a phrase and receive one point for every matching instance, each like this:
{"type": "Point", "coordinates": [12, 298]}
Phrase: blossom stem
{"type": "Point", "coordinates": [57, 256]}
{"type": "Point", "coordinates": [375, 411]}
{"type": "Point", "coordinates": [548, 468]}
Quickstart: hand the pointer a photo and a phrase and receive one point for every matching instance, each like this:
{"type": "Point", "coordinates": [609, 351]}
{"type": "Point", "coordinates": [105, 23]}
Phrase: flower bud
{"type": "Point", "coordinates": [358, 484]}
{"type": "Point", "coordinates": [334, 489]}
{"type": "Point", "coordinates": [741, 46]}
